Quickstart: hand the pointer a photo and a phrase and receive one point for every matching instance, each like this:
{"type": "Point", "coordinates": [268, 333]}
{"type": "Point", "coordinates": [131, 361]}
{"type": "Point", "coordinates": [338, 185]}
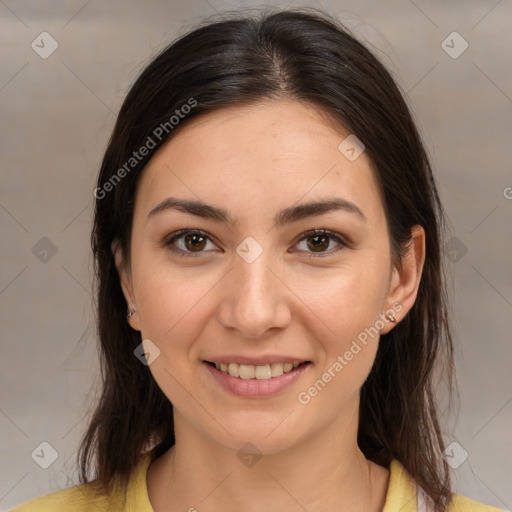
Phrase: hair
{"type": "Point", "coordinates": [302, 55]}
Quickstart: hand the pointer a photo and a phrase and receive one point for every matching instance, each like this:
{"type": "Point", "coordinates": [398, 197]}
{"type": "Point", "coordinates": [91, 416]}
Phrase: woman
{"type": "Point", "coordinates": [271, 301]}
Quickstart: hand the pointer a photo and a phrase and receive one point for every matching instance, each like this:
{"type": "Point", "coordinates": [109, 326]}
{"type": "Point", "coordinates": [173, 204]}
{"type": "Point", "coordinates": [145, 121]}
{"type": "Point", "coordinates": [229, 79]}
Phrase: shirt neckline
{"type": "Point", "coordinates": [401, 494]}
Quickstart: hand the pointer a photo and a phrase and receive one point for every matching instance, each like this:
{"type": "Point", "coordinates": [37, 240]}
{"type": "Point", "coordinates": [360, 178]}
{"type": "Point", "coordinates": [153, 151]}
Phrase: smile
{"type": "Point", "coordinates": [256, 381]}
{"type": "Point", "coordinates": [260, 372]}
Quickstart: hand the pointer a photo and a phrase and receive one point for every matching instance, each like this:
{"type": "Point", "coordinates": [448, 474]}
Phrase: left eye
{"type": "Point", "coordinates": [319, 239]}
{"type": "Point", "coordinates": [194, 241]}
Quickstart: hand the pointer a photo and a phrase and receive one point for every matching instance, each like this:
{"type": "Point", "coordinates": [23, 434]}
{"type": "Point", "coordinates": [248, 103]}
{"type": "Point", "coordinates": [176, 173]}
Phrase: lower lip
{"type": "Point", "coordinates": [256, 388]}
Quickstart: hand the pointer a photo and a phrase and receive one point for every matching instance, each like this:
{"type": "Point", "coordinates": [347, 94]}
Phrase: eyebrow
{"type": "Point", "coordinates": [282, 218]}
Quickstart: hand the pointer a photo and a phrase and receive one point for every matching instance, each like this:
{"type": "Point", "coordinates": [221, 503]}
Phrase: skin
{"type": "Point", "coordinates": [255, 161]}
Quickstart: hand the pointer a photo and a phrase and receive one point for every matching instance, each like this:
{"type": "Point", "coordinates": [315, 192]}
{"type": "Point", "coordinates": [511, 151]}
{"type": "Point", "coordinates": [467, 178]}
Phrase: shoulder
{"type": "Point", "coordinates": [74, 499]}
{"type": "Point", "coordinates": [83, 497]}
{"type": "Point", "coordinates": [406, 495]}
{"type": "Point", "coordinates": [463, 504]}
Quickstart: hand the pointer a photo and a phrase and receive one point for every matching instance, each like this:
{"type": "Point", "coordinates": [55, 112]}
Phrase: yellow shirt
{"type": "Point", "coordinates": [402, 496]}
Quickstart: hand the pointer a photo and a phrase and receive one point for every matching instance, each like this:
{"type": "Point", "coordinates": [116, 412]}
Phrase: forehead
{"type": "Point", "coordinates": [273, 153]}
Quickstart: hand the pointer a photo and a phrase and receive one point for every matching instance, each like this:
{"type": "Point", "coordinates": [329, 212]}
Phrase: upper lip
{"type": "Point", "coordinates": [255, 361]}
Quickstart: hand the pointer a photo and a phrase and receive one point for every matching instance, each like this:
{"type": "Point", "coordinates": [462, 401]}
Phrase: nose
{"type": "Point", "coordinates": [256, 299]}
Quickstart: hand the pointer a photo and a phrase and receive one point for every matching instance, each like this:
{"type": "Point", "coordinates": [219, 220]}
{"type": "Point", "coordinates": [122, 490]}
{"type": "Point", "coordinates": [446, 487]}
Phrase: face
{"type": "Point", "coordinates": [251, 282]}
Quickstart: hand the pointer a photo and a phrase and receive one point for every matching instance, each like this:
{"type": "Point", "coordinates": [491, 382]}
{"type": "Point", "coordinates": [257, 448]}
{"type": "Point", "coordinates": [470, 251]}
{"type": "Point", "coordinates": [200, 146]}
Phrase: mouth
{"type": "Point", "coordinates": [259, 372]}
{"type": "Point", "coordinates": [257, 381]}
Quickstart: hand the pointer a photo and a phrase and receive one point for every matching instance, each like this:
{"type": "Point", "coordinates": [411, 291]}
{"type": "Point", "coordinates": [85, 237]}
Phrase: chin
{"type": "Point", "coordinates": [267, 438]}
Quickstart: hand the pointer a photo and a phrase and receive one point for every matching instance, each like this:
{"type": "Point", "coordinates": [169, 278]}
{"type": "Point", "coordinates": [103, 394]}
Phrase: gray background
{"type": "Point", "coordinates": [57, 115]}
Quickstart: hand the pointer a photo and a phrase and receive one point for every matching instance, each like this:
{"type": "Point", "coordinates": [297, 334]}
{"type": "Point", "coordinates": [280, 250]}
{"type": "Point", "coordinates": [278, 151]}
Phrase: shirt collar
{"type": "Point", "coordinates": [137, 499]}
{"type": "Point", "coordinates": [401, 494]}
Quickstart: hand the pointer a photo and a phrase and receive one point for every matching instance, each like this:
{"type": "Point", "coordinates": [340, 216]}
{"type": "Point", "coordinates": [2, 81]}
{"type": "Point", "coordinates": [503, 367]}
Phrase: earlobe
{"type": "Point", "coordinates": [405, 281]}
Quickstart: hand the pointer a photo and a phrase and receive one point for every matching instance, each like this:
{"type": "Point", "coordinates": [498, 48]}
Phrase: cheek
{"type": "Point", "coordinates": [350, 309]}
{"type": "Point", "coordinates": [172, 307]}
{"type": "Point", "coordinates": [349, 299]}
{"type": "Point", "coordinates": [350, 305]}
{"type": "Point", "coordinates": [167, 306]}
{"type": "Point", "coordinates": [171, 301]}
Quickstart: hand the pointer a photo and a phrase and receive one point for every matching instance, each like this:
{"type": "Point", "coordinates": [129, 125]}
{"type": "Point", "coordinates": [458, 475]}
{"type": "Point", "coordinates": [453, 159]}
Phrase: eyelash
{"type": "Point", "coordinates": [309, 234]}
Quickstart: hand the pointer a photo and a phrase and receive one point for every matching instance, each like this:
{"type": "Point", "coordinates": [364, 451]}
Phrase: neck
{"type": "Point", "coordinates": [326, 472]}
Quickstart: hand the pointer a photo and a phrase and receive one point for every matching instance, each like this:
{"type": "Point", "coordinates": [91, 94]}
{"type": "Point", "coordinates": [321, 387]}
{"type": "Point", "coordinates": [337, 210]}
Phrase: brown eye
{"type": "Point", "coordinates": [193, 243]}
{"type": "Point", "coordinates": [318, 241]}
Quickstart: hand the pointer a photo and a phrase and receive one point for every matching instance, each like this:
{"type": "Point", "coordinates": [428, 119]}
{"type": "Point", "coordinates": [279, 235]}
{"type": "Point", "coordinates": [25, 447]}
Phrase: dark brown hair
{"type": "Point", "coordinates": [303, 55]}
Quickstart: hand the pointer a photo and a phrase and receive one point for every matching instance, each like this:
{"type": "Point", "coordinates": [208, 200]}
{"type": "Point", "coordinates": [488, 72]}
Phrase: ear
{"type": "Point", "coordinates": [405, 281]}
{"type": "Point", "coordinates": [126, 282]}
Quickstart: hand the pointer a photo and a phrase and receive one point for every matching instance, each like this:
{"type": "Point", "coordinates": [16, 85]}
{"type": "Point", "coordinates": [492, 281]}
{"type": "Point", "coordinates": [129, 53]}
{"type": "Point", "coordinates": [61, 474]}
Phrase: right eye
{"type": "Point", "coordinates": [191, 239]}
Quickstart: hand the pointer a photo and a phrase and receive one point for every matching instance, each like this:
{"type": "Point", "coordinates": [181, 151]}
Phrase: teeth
{"type": "Point", "coordinates": [276, 369]}
{"type": "Point", "coordinates": [246, 371]}
{"type": "Point", "coordinates": [234, 369]}
{"type": "Point", "coordinates": [262, 372]}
